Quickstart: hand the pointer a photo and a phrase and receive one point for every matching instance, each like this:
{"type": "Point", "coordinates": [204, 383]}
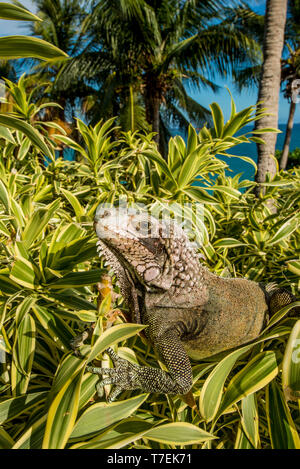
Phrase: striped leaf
{"type": "Point", "coordinates": [291, 365]}
{"type": "Point", "coordinates": [294, 266]}
{"type": "Point", "coordinates": [241, 441]}
{"type": "Point", "coordinates": [7, 135]}
{"type": "Point", "coordinates": [16, 47]}
{"type": "Point", "coordinates": [78, 279]}
{"type": "Point", "coordinates": [249, 419]}
{"type": "Point", "coordinates": [218, 118]}
{"type": "Point", "coordinates": [254, 376]}
{"type": "Point", "coordinates": [37, 223]}
{"type": "Point", "coordinates": [16, 12]}
{"type": "Point", "coordinates": [32, 438]}
{"type": "Point", "coordinates": [13, 407]}
{"type": "Point", "coordinates": [101, 415]}
{"type": "Point", "coordinates": [74, 202]}
{"type": "Point", "coordinates": [34, 136]}
{"type": "Point", "coordinates": [211, 393]}
{"type": "Point", "coordinates": [23, 273]}
{"type": "Point", "coordinates": [178, 433]}
{"type": "Point", "coordinates": [62, 414]}
{"type": "Point", "coordinates": [23, 354]}
{"type": "Point", "coordinates": [282, 429]}
{"type": "Point", "coordinates": [284, 232]}
{"type": "Point", "coordinates": [6, 441]}
{"type": "Point", "coordinates": [111, 336]}
{"type": "Point", "coordinates": [228, 243]}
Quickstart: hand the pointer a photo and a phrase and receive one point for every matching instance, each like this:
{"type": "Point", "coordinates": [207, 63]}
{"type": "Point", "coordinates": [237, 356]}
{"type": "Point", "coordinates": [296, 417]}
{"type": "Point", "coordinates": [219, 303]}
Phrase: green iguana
{"type": "Point", "coordinates": [189, 310]}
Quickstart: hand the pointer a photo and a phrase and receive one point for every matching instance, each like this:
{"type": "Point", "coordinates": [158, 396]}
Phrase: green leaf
{"type": "Point", "coordinates": [57, 329]}
{"type": "Point", "coordinates": [6, 442]}
{"type": "Point", "coordinates": [200, 195]}
{"type": "Point", "coordinates": [230, 191]}
{"type": "Point", "coordinates": [32, 438]}
{"type": "Point", "coordinates": [291, 365]}
{"type": "Point", "coordinates": [254, 376]}
{"type": "Point", "coordinates": [7, 285]}
{"type": "Point", "coordinates": [78, 279]}
{"type": "Point", "coordinates": [62, 414]}
{"type": "Point", "coordinates": [72, 300]}
{"type": "Point", "coordinates": [111, 336]}
{"type": "Point", "coordinates": [120, 435]}
{"type": "Point", "coordinates": [12, 408]}
{"type": "Point", "coordinates": [30, 132]}
{"type": "Point", "coordinates": [218, 118]}
{"type": "Point", "coordinates": [178, 433]}
{"type": "Point", "coordinates": [228, 243]}
{"type": "Point", "coordinates": [37, 223]}
{"type": "Point", "coordinates": [15, 12]}
{"type": "Point", "coordinates": [236, 121]}
{"type": "Point", "coordinates": [74, 202]}
{"type": "Point", "coordinates": [249, 419]}
{"type": "Point", "coordinates": [281, 313]}
{"type": "Point", "coordinates": [23, 354]}
{"type": "Point", "coordinates": [69, 367]}
{"type": "Point", "coordinates": [4, 196]}
{"type": "Point", "coordinates": [212, 390]}
{"type": "Point", "coordinates": [152, 156]}
{"type": "Point", "coordinates": [7, 135]}
{"type": "Point", "coordinates": [282, 429]}
{"type": "Point", "coordinates": [294, 266]}
{"type": "Point", "coordinates": [284, 232]}
{"type": "Point", "coordinates": [100, 416]}
{"type": "Point", "coordinates": [23, 273]}
{"type": "Point", "coordinates": [16, 47]}
{"type": "Point", "coordinates": [241, 441]}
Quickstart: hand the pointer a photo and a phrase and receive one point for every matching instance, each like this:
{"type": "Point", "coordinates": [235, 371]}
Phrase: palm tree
{"type": "Point", "coordinates": [290, 72]}
{"type": "Point", "coordinates": [143, 52]}
{"type": "Point", "coordinates": [269, 87]}
{"type": "Point", "coordinates": [290, 66]}
{"type": "Point", "coordinates": [290, 75]}
{"type": "Point", "coordinates": [61, 27]}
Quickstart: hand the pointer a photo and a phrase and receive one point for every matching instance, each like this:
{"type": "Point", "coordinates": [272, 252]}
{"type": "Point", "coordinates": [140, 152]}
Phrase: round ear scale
{"type": "Point", "coordinates": [151, 273]}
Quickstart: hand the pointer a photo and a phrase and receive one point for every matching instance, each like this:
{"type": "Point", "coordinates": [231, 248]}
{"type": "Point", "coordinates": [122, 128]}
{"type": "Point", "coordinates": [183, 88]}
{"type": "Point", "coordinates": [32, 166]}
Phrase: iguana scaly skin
{"type": "Point", "coordinates": [189, 310]}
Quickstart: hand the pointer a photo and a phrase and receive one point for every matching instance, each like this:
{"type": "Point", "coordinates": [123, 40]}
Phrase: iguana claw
{"type": "Point", "coordinates": [125, 375]}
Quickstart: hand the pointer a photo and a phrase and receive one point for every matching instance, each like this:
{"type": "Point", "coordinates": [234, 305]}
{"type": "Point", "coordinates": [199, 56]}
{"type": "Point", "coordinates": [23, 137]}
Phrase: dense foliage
{"type": "Point", "coordinates": [50, 287]}
{"type": "Point", "coordinates": [293, 158]}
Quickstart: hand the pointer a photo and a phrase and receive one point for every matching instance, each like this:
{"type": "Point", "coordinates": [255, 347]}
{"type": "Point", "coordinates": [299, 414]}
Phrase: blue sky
{"type": "Point", "coordinates": [205, 97]}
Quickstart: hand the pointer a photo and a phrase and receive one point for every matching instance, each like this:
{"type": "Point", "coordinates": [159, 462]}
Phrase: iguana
{"type": "Point", "coordinates": [189, 311]}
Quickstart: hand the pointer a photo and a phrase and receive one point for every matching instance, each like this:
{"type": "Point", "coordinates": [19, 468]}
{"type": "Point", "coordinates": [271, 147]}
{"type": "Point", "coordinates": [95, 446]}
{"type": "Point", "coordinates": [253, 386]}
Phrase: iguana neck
{"type": "Point", "coordinates": [127, 285]}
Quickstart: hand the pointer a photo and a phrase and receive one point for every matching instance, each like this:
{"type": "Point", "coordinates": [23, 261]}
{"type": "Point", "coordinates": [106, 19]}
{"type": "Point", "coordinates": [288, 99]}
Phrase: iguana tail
{"type": "Point", "coordinates": [278, 298]}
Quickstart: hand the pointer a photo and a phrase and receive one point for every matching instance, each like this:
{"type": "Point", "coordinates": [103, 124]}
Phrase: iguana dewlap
{"type": "Point", "coordinates": [189, 311]}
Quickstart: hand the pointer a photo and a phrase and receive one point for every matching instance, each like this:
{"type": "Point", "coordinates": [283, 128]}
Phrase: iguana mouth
{"type": "Point", "coordinates": [136, 277]}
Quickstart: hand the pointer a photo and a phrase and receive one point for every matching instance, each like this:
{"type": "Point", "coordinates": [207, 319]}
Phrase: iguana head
{"type": "Point", "coordinates": [155, 252]}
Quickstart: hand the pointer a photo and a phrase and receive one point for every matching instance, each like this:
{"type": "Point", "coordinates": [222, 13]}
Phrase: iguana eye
{"type": "Point", "coordinates": [104, 214]}
{"type": "Point", "coordinates": [143, 227]}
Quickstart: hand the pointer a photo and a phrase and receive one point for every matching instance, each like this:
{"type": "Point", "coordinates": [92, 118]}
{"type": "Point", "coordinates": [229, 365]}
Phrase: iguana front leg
{"type": "Point", "coordinates": [128, 376]}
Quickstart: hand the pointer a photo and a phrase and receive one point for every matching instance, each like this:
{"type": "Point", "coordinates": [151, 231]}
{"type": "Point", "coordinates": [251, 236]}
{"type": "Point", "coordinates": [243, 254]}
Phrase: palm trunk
{"type": "Point", "coordinates": [288, 135]}
{"type": "Point", "coordinates": [270, 85]}
{"type": "Point", "coordinates": [152, 114]}
{"type": "Point", "coordinates": [152, 105]}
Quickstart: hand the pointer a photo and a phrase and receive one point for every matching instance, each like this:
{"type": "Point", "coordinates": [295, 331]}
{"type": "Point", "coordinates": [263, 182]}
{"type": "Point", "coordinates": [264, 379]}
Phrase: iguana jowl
{"type": "Point", "coordinates": [189, 310]}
